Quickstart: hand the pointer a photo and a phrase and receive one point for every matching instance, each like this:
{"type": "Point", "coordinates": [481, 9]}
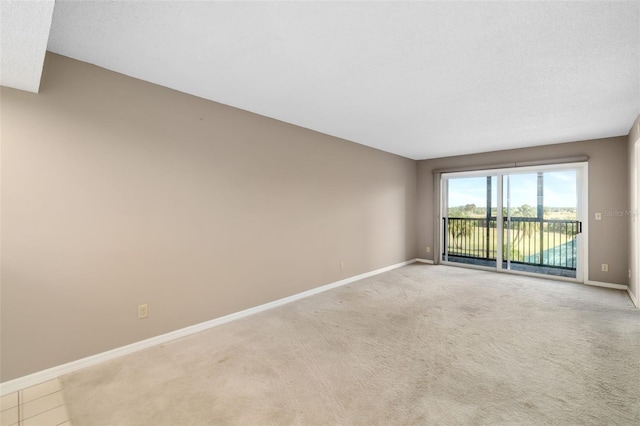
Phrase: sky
{"type": "Point", "coordinates": [559, 190]}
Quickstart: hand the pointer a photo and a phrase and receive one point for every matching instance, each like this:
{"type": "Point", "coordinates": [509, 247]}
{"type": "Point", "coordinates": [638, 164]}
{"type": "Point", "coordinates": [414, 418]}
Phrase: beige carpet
{"type": "Point", "coordinates": [418, 345]}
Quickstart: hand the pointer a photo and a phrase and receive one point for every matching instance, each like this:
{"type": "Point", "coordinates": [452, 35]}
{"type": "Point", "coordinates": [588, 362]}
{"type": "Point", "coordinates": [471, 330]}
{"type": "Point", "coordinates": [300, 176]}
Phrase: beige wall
{"type": "Point", "coordinates": [634, 186]}
{"type": "Point", "coordinates": [117, 192]}
{"type": "Point", "coordinates": [608, 190]}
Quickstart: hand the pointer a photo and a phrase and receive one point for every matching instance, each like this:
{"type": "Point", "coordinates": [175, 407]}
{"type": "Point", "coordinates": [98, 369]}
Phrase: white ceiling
{"type": "Point", "coordinates": [419, 79]}
{"type": "Point", "coordinates": [24, 32]}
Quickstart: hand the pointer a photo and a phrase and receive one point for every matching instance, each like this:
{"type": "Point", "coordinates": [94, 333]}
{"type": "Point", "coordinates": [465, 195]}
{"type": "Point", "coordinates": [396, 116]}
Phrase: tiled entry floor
{"type": "Point", "coordinates": [40, 405]}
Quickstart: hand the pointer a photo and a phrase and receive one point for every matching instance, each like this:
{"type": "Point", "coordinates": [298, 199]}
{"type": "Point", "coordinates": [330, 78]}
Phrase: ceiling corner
{"type": "Point", "coordinates": [24, 34]}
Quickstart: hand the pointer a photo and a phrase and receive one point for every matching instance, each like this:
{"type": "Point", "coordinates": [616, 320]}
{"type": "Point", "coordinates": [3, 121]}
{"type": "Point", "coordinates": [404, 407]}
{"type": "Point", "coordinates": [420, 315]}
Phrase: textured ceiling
{"type": "Point", "coordinates": [24, 32]}
{"type": "Point", "coordinates": [419, 79]}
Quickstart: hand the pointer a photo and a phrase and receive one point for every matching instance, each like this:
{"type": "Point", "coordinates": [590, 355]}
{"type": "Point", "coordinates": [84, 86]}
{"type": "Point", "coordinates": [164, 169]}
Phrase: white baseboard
{"type": "Point", "coordinates": [427, 261]}
{"type": "Point", "coordinates": [634, 298]}
{"type": "Point", "coordinates": [51, 373]}
{"type": "Point", "coordinates": [606, 285]}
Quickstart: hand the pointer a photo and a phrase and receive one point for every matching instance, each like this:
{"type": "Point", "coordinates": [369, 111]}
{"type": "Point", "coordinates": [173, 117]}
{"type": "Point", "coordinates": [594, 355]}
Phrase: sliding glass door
{"type": "Point", "coordinates": [537, 231]}
{"type": "Point", "coordinates": [541, 222]}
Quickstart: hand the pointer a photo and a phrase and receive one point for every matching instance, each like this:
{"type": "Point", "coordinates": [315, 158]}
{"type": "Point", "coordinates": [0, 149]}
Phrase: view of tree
{"type": "Point", "coordinates": [459, 230]}
{"type": "Point", "coordinates": [525, 210]}
{"type": "Point", "coordinates": [468, 236]}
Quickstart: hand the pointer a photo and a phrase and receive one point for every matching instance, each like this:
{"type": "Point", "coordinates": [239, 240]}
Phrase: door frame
{"type": "Point", "coordinates": [582, 194]}
{"type": "Point", "coordinates": [635, 226]}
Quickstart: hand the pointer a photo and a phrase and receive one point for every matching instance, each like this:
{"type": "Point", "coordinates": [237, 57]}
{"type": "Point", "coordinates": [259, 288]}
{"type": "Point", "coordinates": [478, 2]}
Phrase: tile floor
{"type": "Point", "coordinates": [40, 405]}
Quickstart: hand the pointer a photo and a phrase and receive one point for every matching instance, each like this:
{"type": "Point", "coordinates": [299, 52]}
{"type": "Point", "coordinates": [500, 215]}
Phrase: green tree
{"type": "Point", "coordinates": [522, 230]}
{"type": "Point", "coordinates": [524, 210]}
{"type": "Point", "coordinates": [459, 230]}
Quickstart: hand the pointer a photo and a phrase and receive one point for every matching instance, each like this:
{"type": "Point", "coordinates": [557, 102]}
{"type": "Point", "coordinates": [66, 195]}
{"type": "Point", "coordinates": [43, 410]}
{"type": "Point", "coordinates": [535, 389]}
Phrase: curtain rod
{"type": "Point", "coordinates": [576, 159]}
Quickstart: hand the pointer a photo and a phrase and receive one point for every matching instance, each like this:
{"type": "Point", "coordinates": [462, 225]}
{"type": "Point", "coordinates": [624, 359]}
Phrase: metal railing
{"type": "Point", "coordinates": [530, 241]}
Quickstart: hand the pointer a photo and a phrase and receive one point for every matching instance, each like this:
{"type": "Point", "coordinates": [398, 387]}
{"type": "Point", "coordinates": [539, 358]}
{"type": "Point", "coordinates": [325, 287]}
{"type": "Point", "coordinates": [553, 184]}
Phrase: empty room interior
{"type": "Point", "coordinates": [266, 213]}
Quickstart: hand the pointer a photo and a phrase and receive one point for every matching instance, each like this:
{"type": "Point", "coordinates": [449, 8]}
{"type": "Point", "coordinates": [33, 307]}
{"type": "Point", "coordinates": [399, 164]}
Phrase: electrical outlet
{"type": "Point", "coordinates": [143, 311]}
{"type": "Point", "coordinates": [342, 265]}
{"type": "Point", "coordinates": [428, 249]}
{"type": "Point", "coordinates": [605, 267]}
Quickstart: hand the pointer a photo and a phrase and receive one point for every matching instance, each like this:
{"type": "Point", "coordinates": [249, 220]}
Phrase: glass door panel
{"type": "Point", "coordinates": [521, 242]}
{"type": "Point", "coordinates": [536, 231]}
{"type": "Point", "coordinates": [560, 219]}
{"type": "Point", "coordinates": [540, 222]}
{"type": "Point", "coordinates": [470, 223]}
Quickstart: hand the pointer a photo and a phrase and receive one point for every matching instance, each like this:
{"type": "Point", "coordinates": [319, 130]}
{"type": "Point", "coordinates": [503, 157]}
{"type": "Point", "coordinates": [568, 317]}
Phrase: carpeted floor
{"type": "Point", "coordinates": [421, 344]}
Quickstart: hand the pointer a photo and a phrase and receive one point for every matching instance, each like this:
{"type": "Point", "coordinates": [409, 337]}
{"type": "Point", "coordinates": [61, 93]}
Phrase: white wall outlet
{"type": "Point", "coordinates": [342, 265]}
{"type": "Point", "coordinates": [605, 267]}
{"type": "Point", "coordinates": [598, 216]}
{"type": "Point", "coordinates": [428, 249]}
{"type": "Point", "coordinates": [143, 311]}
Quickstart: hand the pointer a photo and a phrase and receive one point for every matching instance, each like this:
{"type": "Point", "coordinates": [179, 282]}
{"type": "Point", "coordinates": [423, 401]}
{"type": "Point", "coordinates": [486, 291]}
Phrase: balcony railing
{"type": "Point", "coordinates": [530, 241]}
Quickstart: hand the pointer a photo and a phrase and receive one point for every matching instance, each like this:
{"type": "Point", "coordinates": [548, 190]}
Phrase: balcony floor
{"type": "Point", "coordinates": [546, 270]}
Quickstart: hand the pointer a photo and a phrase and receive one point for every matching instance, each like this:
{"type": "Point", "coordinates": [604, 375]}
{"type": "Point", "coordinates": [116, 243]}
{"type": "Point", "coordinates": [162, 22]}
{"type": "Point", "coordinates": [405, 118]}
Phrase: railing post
{"type": "Point", "coordinates": [541, 242]}
{"type": "Point", "coordinates": [446, 239]}
{"type": "Point", "coordinates": [488, 215]}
